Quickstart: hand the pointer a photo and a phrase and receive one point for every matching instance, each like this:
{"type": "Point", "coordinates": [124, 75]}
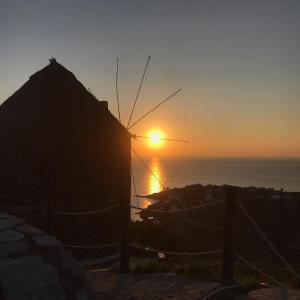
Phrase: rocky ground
{"type": "Point", "coordinates": [154, 286]}
{"type": "Point", "coordinates": [273, 294]}
{"type": "Point", "coordinates": [166, 286]}
{"type": "Point", "coordinates": [35, 266]}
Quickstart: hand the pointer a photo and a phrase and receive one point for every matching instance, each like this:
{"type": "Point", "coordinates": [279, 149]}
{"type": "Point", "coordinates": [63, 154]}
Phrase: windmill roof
{"type": "Point", "coordinates": [52, 93]}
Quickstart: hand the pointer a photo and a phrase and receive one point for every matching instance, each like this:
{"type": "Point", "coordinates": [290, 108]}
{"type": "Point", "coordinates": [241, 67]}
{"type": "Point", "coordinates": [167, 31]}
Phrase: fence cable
{"type": "Point", "coordinates": [178, 210]}
{"type": "Point", "coordinates": [91, 212]}
{"type": "Point", "coordinates": [264, 237]}
{"type": "Point", "coordinates": [34, 216]}
{"type": "Point", "coordinates": [175, 253]}
{"type": "Point", "coordinates": [255, 268]}
{"type": "Point", "coordinates": [207, 226]}
{"type": "Point", "coordinates": [90, 246]}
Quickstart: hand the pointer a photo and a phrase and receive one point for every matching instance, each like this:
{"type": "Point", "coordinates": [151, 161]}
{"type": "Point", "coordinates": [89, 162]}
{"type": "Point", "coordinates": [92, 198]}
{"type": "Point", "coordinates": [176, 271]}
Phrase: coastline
{"type": "Point", "coordinates": [168, 193]}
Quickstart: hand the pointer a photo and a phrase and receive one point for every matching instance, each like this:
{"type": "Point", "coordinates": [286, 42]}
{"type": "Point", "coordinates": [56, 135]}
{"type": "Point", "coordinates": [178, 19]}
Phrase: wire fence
{"type": "Point", "coordinates": [258, 270]}
{"type": "Point", "coordinates": [82, 213]}
{"type": "Point", "coordinates": [91, 246]}
{"type": "Point", "coordinates": [147, 249]}
{"type": "Point", "coordinates": [264, 237]}
{"type": "Point", "coordinates": [180, 210]}
{"type": "Point", "coordinates": [184, 214]}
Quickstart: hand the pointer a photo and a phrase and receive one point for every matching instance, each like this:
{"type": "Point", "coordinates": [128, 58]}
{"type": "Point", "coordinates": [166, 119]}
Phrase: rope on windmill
{"type": "Point", "coordinates": [178, 210]}
{"type": "Point", "coordinates": [264, 237]}
{"type": "Point", "coordinates": [90, 246]}
{"type": "Point", "coordinates": [91, 212]}
{"type": "Point", "coordinates": [162, 139]}
{"type": "Point", "coordinates": [167, 75]}
{"type": "Point", "coordinates": [147, 249]}
{"type": "Point", "coordinates": [148, 169]}
{"type": "Point", "coordinates": [255, 268]}
{"type": "Point", "coordinates": [107, 69]}
{"type": "Point", "coordinates": [133, 57]}
{"type": "Point", "coordinates": [154, 108]}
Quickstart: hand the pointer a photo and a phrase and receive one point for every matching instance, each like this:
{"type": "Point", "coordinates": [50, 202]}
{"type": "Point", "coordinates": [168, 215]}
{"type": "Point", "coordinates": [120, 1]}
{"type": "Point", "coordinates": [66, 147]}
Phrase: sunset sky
{"type": "Point", "coordinates": [237, 62]}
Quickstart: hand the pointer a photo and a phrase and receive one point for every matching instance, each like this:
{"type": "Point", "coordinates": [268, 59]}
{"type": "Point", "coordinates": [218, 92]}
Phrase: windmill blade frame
{"type": "Point", "coordinates": [138, 92]}
{"type": "Point", "coordinates": [147, 114]}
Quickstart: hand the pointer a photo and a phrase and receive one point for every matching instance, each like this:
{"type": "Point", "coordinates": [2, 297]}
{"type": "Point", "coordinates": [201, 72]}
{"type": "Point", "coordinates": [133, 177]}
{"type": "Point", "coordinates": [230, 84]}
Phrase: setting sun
{"type": "Point", "coordinates": [155, 138]}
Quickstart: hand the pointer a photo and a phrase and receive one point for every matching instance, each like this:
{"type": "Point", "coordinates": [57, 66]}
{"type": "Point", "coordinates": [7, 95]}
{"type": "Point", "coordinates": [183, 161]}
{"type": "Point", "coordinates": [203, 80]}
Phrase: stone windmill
{"type": "Point", "coordinates": [60, 145]}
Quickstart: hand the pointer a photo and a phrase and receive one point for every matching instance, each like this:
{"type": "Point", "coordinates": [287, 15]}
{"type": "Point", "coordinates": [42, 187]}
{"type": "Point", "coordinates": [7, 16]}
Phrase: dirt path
{"type": "Point", "coordinates": [155, 286]}
{"type": "Point", "coordinates": [274, 294]}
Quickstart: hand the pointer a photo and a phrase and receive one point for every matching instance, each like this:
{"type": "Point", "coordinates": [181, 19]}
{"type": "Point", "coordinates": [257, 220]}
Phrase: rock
{"type": "Point", "coordinates": [70, 272]}
{"type": "Point", "coordinates": [72, 275]}
{"type": "Point", "coordinates": [274, 294]}
{"type": "Point", "coordinates": [151, 286]}
{"type": "Point", "coordinates": [29, 230]}
{"type": "Point", "coordinates": [8, 223]}
{"type": "Point", "coordinates": [30, 278]}
{"type": "Point", "coordinates": [34, 265]}
{"type": "Point", "coordinates": [45, 241]}
{"type": "Point", "coordinates": [5, 216]}
{"type": "Point", "coordinates": [10, 236]}
{"type": "Point", "coordinates": [81, 295]}
{"type": "Point", "coordinates": [14, 248]}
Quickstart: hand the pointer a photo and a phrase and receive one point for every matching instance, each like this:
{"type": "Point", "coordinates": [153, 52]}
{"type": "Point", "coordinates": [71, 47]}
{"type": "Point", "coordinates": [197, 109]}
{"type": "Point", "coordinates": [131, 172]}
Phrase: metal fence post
{"type": "Point", "coordinates": [280, 222]}
{"type": "Point", "coordinates": [228, 251]}
{"type": "Point", "coordinates": [125, 223]}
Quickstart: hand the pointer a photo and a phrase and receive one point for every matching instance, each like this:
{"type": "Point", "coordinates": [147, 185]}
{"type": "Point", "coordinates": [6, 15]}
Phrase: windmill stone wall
{"type": "Point", "coordinates": [59, 144]}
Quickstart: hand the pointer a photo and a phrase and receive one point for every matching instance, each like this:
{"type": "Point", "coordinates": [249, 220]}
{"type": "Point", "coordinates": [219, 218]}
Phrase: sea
{"type": "Point", "coordinates": [158, 173]}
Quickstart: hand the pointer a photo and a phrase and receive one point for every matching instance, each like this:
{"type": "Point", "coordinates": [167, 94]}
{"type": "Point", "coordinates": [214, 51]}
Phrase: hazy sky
{"type": "Point", "coordinates": [238, 63]}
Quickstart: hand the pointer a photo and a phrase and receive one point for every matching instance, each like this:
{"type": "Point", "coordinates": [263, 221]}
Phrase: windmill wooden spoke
{"type": "Point", "coordinates": [138, 92]}
{"type": "Point", "coordinates": [117, 90]}
{"type": "Point", "coordinates": [162, 139]}
{"type": "Point", "coordinates": [154, 108]}
{"type": "Point", "coordinates": [135, 191]}
{"type": "Point", "coordinates": [148, 169]}
{"type": "Point", "coordinates": [90, 90]}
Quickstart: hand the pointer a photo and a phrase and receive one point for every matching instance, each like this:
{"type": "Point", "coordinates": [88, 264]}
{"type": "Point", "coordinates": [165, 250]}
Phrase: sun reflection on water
{"type": "Point", "coordinates": [147, 184]}
{"type": "Point", "coordinates": [155, 179]}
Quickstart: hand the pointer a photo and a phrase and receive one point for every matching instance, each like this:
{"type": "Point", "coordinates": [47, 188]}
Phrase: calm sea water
{"type": "Point", "coordinates": [276, 173]}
